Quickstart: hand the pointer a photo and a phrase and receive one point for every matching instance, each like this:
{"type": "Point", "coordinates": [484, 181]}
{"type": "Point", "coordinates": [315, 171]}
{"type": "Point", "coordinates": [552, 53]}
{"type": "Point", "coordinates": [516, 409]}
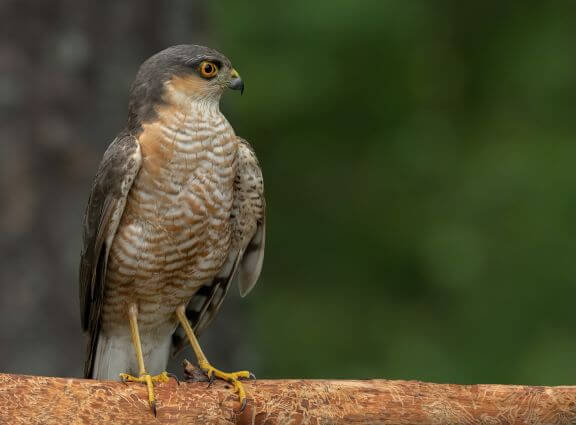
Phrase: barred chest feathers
{"type": "Point", "coordinates": [175, 232]}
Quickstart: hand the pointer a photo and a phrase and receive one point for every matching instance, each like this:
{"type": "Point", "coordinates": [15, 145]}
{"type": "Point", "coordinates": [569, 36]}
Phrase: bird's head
{"type": "Point", "coordinates": [182, 74]}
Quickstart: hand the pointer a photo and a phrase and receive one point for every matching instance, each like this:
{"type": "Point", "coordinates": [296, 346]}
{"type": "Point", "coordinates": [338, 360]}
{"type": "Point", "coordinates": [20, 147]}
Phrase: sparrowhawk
{"type": "Point", "coordinates": [176, 213]}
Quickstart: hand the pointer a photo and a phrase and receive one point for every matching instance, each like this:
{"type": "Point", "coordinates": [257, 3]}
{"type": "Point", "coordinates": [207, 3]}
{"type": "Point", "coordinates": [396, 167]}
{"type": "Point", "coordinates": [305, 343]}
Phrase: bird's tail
{"type": "Point", "coordinates": [115, 355]}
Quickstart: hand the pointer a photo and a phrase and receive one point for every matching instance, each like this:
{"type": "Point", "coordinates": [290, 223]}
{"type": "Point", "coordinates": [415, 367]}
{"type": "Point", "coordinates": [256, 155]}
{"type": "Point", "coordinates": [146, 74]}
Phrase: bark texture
{"type": "Point", "coordinates": [43, 400]}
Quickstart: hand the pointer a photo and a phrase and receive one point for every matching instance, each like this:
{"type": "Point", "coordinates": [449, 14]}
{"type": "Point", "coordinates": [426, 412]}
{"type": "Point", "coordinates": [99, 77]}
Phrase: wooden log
{"type": "Point", "coordinates": [43, 400]}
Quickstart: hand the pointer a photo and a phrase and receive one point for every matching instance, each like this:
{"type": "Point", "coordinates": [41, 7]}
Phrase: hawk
{"type": "Point", "coordinates": [176, 213]}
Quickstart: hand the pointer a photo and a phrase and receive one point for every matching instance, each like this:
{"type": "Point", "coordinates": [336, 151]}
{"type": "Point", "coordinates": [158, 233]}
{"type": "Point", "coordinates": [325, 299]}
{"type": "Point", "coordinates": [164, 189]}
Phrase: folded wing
{"type": "Point", "coordinates": [113, 181]}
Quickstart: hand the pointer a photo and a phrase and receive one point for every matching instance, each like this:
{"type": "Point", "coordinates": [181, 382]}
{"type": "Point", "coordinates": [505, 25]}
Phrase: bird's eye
{"type": "Point", "coordinates": [208, 69]}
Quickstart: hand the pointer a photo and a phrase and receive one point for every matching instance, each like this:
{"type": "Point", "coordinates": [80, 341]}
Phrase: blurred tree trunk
{"type": "Point", "coordinates": [65, 70]}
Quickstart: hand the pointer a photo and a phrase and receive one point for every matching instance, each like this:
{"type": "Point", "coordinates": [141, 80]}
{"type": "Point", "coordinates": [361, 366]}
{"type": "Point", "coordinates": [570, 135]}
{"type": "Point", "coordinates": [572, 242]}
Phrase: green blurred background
{"type": "Point", "coordinates": [419, 168]}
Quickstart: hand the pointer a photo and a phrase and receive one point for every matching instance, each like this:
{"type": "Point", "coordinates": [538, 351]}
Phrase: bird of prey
{"type": "Point", "coordinates": [176, 213]}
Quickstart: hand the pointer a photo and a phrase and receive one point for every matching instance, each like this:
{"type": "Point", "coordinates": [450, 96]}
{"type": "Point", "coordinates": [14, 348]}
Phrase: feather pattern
{"type": "Point", "coordinates": [106, 203]}
{"type": "Point", "coordinates": [250, 215]}
{"type": "Point", "coordinates": [176, 213]}
{"type": "Point", "coordinates": [246, 256]}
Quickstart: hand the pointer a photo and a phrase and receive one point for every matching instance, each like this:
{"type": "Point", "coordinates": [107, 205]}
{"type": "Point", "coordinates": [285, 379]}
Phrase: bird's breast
{"type": "Point", "coordinates": [188, 165]}
{"type": "Point", "coordinates": [175, 232]}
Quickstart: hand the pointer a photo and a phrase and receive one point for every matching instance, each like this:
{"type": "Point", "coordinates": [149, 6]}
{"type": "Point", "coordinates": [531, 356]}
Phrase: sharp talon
{"type": "Point", "coordinates": [243, 406]}
{"type": "Point", "coordinates": [149, 381]}
{"type": "Point", "coordinates": [233, 378]}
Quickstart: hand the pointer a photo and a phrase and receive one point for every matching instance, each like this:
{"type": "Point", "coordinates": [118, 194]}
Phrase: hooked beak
{"type": "Point", "coordinates": [236, 82]}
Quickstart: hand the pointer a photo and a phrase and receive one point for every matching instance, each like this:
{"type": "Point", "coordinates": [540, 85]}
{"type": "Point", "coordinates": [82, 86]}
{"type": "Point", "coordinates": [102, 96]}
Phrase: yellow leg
{"type": "Point", "coordinates": [144, 376]}
{"type": "Point", "coordinates": [210, 371]}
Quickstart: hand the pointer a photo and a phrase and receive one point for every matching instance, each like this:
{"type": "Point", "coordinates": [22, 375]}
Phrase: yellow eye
{"type": "Point", "coordinates": [208, 69]}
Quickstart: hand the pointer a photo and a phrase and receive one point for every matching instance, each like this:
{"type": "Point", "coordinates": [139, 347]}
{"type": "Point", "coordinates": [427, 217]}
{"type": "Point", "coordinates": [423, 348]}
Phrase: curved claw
{"type": "Point", "coordinates": [149, 380]}
{"type": "Point", "coordinates": [243, 405]}
{"type": "Point", "coordinates": [233, 378]}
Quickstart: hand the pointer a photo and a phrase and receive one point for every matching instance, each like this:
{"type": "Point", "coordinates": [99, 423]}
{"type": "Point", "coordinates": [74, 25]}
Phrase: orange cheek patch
{"type": "Point", "coordinates": [153, 154]}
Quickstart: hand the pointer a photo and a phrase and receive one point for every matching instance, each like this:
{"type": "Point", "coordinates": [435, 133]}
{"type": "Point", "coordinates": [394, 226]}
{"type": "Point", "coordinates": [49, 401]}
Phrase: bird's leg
{"type": "Point", "coordinates": [210, 371]}
{"type": "Point", "coordinates": [144, 376]}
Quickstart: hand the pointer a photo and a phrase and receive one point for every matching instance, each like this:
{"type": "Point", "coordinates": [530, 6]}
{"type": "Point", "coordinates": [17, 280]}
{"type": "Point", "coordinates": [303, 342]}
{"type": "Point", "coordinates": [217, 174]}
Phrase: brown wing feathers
{"type": "Point", "coordinates": [113, 180]}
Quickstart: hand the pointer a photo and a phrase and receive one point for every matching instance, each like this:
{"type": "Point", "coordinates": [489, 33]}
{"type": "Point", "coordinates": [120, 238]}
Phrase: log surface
{"type": "Point", "coordinates": [46, 401]}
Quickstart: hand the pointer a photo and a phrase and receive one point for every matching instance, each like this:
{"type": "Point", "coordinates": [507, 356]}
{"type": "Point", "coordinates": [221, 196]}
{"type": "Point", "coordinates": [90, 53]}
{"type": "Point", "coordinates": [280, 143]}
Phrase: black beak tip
{"type": "Point", "coordinates": [237, 84]}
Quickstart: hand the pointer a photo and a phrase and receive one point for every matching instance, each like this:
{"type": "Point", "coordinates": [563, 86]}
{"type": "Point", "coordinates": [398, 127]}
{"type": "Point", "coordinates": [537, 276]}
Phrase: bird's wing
{"type": "Point", "coordinates": [112, 183]}
{"type": "Point", "coordinates": [245, 259]}
{"type": "Point", "coordinates": [252, 211]}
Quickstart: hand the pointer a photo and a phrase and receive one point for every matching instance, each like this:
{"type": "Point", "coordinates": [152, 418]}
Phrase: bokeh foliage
{"type": "Point", "coordinates": [419, 164]}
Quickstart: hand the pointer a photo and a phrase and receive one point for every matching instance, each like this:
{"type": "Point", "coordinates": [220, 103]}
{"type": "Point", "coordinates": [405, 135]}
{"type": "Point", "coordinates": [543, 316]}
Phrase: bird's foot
{"type": "Point", "coordinates": [212, 373]}
{"type": "Point", "coordinates": [230, 377]}
{"type": "Point", "coordinates": [149, 381]}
